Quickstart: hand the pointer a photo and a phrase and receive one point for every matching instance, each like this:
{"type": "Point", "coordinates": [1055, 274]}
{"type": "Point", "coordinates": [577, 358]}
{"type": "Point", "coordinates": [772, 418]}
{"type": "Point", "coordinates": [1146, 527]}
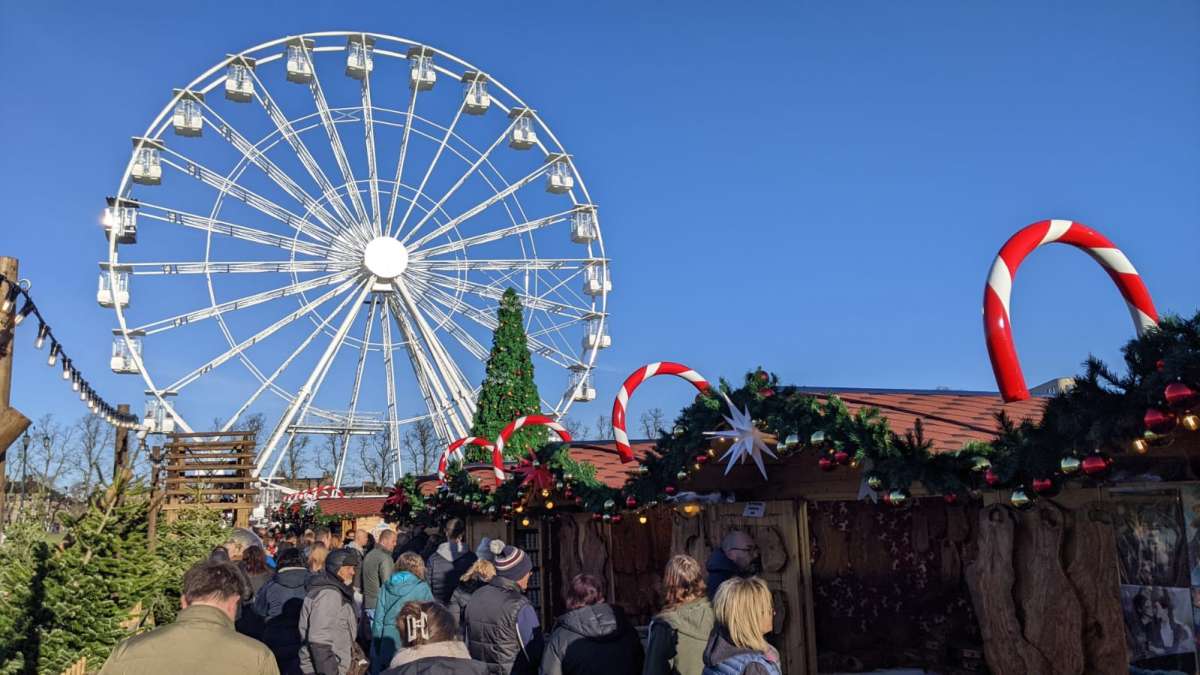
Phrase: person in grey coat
{"type": "Point", "coordinates": [328, 621]}
{"type": "Point", "coordinates": [376, 568]}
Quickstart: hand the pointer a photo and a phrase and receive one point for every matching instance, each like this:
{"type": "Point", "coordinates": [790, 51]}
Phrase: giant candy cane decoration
{"type": "Point", "coordinates": [640, 375]}
{"type": "Point", "coordinates": [997, 325]}
{"type": "Point", "coordinates": [507, 432]}
{"type": "Point", "coordinates": [455, 450]}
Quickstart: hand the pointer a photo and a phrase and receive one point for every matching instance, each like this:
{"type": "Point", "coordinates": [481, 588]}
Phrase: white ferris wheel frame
{"type": "Point", "coordinates": [340, 278]}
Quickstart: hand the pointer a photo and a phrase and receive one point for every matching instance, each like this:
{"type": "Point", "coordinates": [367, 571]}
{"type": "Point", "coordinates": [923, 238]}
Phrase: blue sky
{"type": "Point", "coordinates": [817, 188]}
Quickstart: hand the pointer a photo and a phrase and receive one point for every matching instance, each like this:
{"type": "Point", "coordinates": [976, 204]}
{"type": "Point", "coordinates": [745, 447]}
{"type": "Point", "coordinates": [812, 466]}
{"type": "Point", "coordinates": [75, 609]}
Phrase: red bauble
{"type": "Point", "coordinates": [568, 493]}
{"type": "Point", "coordinates": [1043, 485]}
{"type": "Point", "coordinates": [992, 478]}
{"type": "Point", "coordinates": [670, 490]}
{"type": "Point", "coordinates": [766, 392]}
{"type": "Point", "coordinates": [951, 498]}
{"type": "Point", "coordinates": [596, 516]}
{"type": "Point", "coordinates": [1159, 365]}
{"type": "Point", "coordinates": [885, 497]}
{"type": "Point", "coordinates": [1159, 421]}
{"type": "Point", "coordinates": [1096, 465]}
{"type": "Point", "coordinates": [762, 376]}
{"type": "Point", "coordinates": [578, 500]}
{"type": "Point", "coordinates": [1179, 396]}
{"type": "Point", "coordinates": [826, 464]}
{"type": "Point", "coordinates": [631, 501]}
{"type": "Point", "coordinates": [702, 458]}
{"type": "Point", "coordinates": [841, 457]}
{"type": "Point", "coordinates": [616, 518]}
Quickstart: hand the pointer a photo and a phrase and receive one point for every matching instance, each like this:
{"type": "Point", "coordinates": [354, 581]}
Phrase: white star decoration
{"type": "Point", "coordinates": [748, 441]}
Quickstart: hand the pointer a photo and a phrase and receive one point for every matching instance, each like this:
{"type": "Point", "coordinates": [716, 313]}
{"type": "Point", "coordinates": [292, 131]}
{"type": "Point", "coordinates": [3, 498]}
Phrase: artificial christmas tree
{"type": "Point", "coordinates": [508, 390]}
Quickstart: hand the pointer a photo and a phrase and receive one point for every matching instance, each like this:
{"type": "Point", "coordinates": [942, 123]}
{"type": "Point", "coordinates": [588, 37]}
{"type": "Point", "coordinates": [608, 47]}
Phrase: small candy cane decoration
{"type": "Point", "coordinates": [507, 432]}
{"type": "Point", "coordinates": [454, 450]}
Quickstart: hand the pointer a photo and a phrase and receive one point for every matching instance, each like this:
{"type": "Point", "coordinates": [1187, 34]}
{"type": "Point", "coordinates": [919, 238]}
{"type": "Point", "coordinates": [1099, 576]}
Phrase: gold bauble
{"type": "Point", "coordinates": [1069, 465]}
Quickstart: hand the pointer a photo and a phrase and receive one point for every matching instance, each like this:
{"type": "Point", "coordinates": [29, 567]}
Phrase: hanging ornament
{"type": "Point", "coordinates": [981, 464]}
{"type": "Point", "coordinates": [792, 441]}
{"type": "Point", "coordinates": [596, 516]}
{"type": "Point", "coordinates": [1190, 421]}
{"type": "Point", "coordinates": [630, 501]}
{"type": "Point", "coordinates": [702, 458]}
{"type": "Point", "coordinates": [841, 457]}
{"type": "Point", "coordinates": [855, 463]}
{"type": "Point", "coordinates": [609, 504]}
{"type": "Point", "coordinates": [1158, 421]}
{"type": "Point", "coordinates": [1044, 486]}
{"type": "Point", "coordinates": [897, 497]}
{"type": "Point", "coordinates": [616, 518]}
{"type": "Point", "coordinates": [874, 482]}
{"type": "Point", "coordinates": [1096, 465]}
{"type": "Point", "coordinates": [826, 464]}
{"type": "Point", "coordinates": [678, 431]}
{"type": "Point", "coordinates": [748, 441]}
{"type": "Point", "coordinates": [682, 474]}
{"type": "Point", "coordinates": [1140, 445]}
{"type": "Point", "coordinates": [549, 505]}
{"type": "Point", "coordinates": [1180, 396]}
{"type": "Point", "coordinates": [643, 519]}
{"type": "Point", "coordinates": [669, 490]}
{"type": "Point", "coordinates": [950, 498]}
{"type": "Point", "coordinates": [1020, 499]}
{"type": "Point", "coordinates": [817, 438]}
{"type": "Point", "coordinates": [992, 478]}
{"type": "Point", "coordinates": [568, 476]}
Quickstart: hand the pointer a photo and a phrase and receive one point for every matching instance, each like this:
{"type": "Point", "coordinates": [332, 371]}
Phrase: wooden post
{"type": "Point", "coordinates": [121, 446]}
{"type": "Point", "coordinates": [12, 422]}
{"type": "Point", "coordinates": [155, 496]}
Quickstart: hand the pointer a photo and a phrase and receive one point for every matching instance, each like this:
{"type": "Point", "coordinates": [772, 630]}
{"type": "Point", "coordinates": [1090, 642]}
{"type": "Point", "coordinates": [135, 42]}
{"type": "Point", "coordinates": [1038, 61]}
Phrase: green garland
{"type": "Point", "coordinates": [1101, 415]}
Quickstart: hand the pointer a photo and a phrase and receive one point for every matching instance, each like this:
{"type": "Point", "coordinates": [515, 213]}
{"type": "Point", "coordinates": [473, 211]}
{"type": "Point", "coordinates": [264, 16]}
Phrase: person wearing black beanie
{"type": "Point", "coordinates": [502, 626]}
{"type": "Point", "coordinates": [328, 620]}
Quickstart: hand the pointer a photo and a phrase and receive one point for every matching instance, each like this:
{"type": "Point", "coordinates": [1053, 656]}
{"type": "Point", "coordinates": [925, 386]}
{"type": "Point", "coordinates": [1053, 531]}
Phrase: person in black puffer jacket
{"type": "Point", "coordinates": [449, 561]}
{"type": "Point", "coordinates": [430, 644]}
{"type": "Point", "coordinates": [502, 626]}
{"type": "Point", "coordinates": [593, 637]}
{"type": "Point", "coordinates": [278, 605]}
{"type": "Point", "coordinates": [479, 574]}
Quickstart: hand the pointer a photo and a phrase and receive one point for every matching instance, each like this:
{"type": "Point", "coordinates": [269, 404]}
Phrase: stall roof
{"type": "Point", "coordinates": [950, 418]}
{"type": "Point", "coordinates": [353, 506]}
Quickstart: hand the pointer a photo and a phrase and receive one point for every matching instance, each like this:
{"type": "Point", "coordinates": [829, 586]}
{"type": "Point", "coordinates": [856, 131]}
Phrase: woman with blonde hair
{"type": "Point", "coordinates": [677, 636]}
{"type": "Point", "coordinates": [744, 614]}
{"type": "Point", "coordinates": [316, 558]}
{"type": "Point", "coordinates": [479, 573]}
{"type": "Point", "coordinates": [407, 584]}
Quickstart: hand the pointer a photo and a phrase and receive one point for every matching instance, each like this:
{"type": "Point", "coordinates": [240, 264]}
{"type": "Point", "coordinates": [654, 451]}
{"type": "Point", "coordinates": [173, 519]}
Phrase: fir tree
{"type": "Point", "coordinates": [508, 390]}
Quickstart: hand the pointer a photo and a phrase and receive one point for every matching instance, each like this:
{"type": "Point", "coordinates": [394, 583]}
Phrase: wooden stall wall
{"type": "Point", "coordinates": [780, 528]}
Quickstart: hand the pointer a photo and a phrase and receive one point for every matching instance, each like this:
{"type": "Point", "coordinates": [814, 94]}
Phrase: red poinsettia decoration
{"type": "Point", "coordinates": [536, 476]}
{"type": "Point", "coordinates": [397, 498]}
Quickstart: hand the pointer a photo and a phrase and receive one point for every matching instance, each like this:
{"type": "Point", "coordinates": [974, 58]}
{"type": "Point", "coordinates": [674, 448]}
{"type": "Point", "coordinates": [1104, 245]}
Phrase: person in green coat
{"type": "Point", "coordinates": [407, 584]}
{"type": "Point", "coordinates": [678, 635]}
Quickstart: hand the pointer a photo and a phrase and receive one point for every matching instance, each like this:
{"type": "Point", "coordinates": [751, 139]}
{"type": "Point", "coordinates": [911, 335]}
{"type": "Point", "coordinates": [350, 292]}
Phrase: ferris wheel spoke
{"type": "Point", "coordinates": [369, 140]}
{"type": "Point", "coordinates": [446, 322]}
{"type": "Point", "coordinates": [241, 267]}
{"type": "Point", "coordinates": [269, 382]}
{"type": "Point", "coordinates": [289, 134]}
{"type": "Point", "coordinates": [252, 199]}
{"type": "Point", "coordinates": [437, 155]}
{"type": "Point", "coordinates": [306, 394]}
{"type": "Point", "coordinates": [242, 303]}
{"type": "Point", "coordinates": [306, 309]}
{"type": "Point", "coordinates": [441, 407]}
{"type": "Point", "coordinates": [389, 372]}
{"type": "Point", "coordinates": [258, 158]}
{"type": "Point", "coordinates": [408, 122]}
{"type": "Point", "coordinates": [488, 237]}
{"type": "Point", "coordinates": [487, 320]}
{"type": "Point", "coordinates": [461, 180]}
{"type": "Point", "coordinates": [489, 292]}
{"type": "Point", "coordinates": [480, 207]}
{"type": "Point", "coordinates": [233, 230]}
{"type": "Point", "coordinates": [358, 373]}
{"type": "Point", "coordinates": [335, 142]}
{"type": "Point", "coordinates": [517, 264]}
{"type": "Point", "coordinates": [460, 391]}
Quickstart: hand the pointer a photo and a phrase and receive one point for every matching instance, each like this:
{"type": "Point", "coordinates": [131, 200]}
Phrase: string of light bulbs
{"type": "Point", "coordinates": [57, 355]}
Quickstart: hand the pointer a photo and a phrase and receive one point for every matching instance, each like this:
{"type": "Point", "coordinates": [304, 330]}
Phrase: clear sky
{"type": "Point", "coordinates": [815, 187]}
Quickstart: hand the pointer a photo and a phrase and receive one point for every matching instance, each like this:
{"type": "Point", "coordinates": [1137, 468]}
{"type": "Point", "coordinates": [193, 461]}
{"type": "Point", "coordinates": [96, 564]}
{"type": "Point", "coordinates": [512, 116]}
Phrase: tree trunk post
{"type": "Point", "coordinates": [12, 422]}
{"type": "Point", "coordinates": [121, 445]}
{"type": "Point", "coordinates": [155, 496]}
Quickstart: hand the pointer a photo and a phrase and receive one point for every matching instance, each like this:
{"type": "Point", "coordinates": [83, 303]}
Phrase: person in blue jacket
{"type": "Point", "coordinates": [407, 584]}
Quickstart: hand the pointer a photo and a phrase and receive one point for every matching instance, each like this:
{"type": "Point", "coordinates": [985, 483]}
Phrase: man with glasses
{"type": "Point", "coordinates": [737, 557]}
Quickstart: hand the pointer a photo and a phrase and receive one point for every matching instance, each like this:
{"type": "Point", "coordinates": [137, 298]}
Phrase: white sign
{"type": "Point", "coordinates": [754, 510]}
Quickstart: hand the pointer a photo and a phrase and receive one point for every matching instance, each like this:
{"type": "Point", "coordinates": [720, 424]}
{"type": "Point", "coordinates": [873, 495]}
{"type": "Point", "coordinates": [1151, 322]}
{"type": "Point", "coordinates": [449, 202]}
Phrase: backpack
{"type": "Point", "coordinates": [736, 665]}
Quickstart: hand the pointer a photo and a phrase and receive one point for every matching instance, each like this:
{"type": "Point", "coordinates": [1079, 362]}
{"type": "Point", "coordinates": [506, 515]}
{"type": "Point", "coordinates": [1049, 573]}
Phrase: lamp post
{"type": "Point", "coordinates": [25, 441]}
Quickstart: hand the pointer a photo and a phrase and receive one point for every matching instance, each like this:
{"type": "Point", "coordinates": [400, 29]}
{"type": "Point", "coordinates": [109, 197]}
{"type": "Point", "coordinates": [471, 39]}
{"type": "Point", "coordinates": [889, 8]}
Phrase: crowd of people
{"type": "Point", "coordinates": [412, 603]}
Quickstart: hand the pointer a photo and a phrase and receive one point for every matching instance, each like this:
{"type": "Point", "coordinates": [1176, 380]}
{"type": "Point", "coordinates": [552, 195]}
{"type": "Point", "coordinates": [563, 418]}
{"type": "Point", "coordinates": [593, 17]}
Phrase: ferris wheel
{"type": "Point", "coordinates": [308, 214]}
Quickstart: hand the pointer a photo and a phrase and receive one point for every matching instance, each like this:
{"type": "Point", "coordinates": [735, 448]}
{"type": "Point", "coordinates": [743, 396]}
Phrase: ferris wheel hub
{"type": "Point", "coordinates": [385, 257]}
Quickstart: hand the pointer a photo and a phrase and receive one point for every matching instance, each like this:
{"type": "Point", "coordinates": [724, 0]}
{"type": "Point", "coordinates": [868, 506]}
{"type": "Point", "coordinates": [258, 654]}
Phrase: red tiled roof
{"type": "Point", "coordinates": [949, 420]}
{"type": "Point", "coordinates": [353, 506]}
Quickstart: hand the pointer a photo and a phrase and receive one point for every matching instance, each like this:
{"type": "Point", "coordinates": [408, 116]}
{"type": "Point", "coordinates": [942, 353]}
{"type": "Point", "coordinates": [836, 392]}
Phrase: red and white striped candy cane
{"type": "Point", "coordinates": [640, 375]}
{"type": "Point", "coordinates": [997, 325]}
{"type": "Point", "coordinates": [507, 432]}
{"type": "Point", "coordinates": [454, 450]}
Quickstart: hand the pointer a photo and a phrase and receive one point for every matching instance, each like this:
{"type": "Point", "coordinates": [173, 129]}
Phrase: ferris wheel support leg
{"type": "Point", "coordinates": [390, 376]}
{"type": "Point", "coordinates": [306, 391]}
{"type": "Point", "coordinates": [460, 393]}
{"type": "Point", "coordinates": [445, 421]}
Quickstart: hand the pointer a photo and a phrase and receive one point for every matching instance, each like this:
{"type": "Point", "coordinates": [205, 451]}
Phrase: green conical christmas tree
{"type": "Point", "coordinates": [508, 390]}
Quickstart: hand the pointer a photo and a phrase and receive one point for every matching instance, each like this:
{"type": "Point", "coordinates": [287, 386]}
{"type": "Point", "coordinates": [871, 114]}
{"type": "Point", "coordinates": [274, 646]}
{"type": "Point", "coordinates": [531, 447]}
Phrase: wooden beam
{"type": "Point", "coordinates": [175, 480]}
{"type": "Point", "coordinates": [210, 434]}
{"type": "Point", "coordinates": [12, 422]}
{"type": "Point", "coordinates": [211, 493]}
{"type": "Point", "coordinates": [120, 444]}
